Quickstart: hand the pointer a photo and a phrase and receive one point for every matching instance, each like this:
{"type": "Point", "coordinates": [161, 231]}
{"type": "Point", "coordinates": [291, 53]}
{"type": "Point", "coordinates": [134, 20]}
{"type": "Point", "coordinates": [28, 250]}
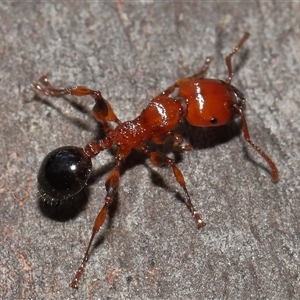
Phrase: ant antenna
{"type": "Point", "coordinates": [233, 51]}
{"type": "Point", "coordinates": [274, 170]}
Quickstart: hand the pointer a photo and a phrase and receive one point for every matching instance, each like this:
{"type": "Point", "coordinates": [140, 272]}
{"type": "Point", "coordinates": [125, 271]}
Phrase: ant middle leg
{"type": "Point", "coordinates": [158, 159]}
{"type": "Point", "coordinates": [102, 110]}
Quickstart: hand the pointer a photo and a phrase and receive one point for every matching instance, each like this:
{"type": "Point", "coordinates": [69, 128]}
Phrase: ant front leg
{"type": "Point", "coordinates": [111, 184]}
{"type": "Point", "coordinates": [158, 159]}
{"type": "Point", "coordinates": [102, 110]}
{"type": "Point", "coordinates": [175, 137]}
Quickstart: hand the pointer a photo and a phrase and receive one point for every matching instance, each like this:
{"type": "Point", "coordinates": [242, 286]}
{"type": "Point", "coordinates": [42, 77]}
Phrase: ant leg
{"type": "Point", "coordinates": [272, 165]}
{"type": "Point", "coordinates": [158, 159]}
{"type": "Point", "coordinates": [233, 51]}
{"type": "Point", "coordinates": [102, 110]}
{"type": "Point", "coordinates": [178, 141]}
{"type": "Point", "coordinates": [176, 138]}
{"type": "Point", "coordinates": [111, 184]}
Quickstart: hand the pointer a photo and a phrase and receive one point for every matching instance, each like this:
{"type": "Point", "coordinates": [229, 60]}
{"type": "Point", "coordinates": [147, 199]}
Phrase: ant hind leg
{"type": "Point", "coordinates": [102, 110]}
{"type": "Point", "coordinates": [112, 184]}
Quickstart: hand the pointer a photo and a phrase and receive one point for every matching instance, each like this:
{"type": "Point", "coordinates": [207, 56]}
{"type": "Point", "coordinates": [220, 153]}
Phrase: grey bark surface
{"type": "Point", "coordinates": [150, 247]}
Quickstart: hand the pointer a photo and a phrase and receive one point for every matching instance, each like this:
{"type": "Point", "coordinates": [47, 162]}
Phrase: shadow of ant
{"type": "Point", "coordinates": [209, 137]}
{"type": "Point", "coordinates": [73, 120]}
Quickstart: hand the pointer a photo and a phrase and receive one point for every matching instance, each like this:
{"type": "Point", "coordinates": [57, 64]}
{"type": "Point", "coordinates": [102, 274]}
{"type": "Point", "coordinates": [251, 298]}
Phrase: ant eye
{"type": "Point", "coordinates": [213, 121]}
{"type": "Point", "coordinates": [64, 173]}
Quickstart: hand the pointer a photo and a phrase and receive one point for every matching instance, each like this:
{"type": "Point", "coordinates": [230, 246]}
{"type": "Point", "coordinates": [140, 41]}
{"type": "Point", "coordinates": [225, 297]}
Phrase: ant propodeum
{"type": "Point", "coordinates": [202, 102]}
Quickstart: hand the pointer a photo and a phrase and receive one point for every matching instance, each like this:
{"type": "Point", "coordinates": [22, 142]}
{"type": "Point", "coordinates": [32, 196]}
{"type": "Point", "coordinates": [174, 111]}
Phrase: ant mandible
{"type": "Point", "coordinates": [203, 102]}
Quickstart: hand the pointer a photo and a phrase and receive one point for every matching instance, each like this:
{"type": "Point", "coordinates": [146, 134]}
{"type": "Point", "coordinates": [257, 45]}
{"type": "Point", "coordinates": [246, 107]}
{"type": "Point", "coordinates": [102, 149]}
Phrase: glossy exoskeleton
{"type": "Point", "coordinates": [63, 173]}
{"type": "Point", "coordinates": [203, 102]}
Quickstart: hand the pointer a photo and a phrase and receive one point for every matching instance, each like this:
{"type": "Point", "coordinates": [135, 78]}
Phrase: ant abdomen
{"type": "Point", "coordinates": [64, 172]}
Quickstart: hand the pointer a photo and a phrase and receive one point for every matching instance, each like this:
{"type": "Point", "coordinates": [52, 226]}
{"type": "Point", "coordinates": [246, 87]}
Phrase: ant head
{"type": "Point", "coordinates": [63, 173]}
{"type": "Point", "coordinates": [210, 102]}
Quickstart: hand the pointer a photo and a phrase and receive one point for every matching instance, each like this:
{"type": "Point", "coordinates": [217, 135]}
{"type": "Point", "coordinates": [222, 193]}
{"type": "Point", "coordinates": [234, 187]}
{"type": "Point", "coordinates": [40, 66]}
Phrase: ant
{"type": "Point", "coordinates": [203, 102]}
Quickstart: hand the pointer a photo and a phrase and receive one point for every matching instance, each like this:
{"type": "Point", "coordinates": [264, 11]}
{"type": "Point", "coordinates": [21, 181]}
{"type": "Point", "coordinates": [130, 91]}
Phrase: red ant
{"type": "Point", "coordinates": [203, 102]}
